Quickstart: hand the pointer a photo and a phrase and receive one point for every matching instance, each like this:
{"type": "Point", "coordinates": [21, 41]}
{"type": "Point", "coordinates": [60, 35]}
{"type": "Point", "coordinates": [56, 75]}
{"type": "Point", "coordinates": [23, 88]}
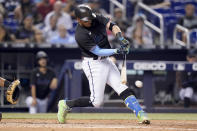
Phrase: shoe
{"type": "Point", "coordinates": [142, 117]}
{"type": "Point", "coordinates": [63, 109]}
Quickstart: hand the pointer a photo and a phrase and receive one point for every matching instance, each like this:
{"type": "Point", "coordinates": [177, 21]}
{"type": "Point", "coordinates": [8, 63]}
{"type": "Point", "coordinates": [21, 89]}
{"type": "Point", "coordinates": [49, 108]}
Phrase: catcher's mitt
{"type": "Point", "coordinates": [12, 93]}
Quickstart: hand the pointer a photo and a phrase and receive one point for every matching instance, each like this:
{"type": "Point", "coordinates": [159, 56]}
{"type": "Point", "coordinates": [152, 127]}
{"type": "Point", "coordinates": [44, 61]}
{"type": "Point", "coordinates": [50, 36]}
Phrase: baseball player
{"type": "Point", "coordinates": [92, 39]}
{"type": "Point", "coordinates": [188, 92]}
{"type": "Point", "coordinates": [43, 80]}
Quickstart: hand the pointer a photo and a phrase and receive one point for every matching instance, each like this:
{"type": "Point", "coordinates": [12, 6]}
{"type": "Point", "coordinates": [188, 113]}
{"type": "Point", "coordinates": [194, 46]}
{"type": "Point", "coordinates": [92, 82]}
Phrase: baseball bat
{"type": "Point", "coordinates": [124, 70]}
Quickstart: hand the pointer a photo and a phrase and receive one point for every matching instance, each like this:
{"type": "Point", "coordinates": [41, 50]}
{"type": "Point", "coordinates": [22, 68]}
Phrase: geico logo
{"type": "Point", "coordinates": [194, 66]}
{"type": "Point", "coordinates": [149, 66]}
{"type": "Point", "coordinates": [77, 66]}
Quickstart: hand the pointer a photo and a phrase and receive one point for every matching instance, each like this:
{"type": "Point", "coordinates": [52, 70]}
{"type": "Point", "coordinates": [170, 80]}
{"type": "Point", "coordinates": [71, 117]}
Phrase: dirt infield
{"type": "Point", "coordinates": [95, 125]}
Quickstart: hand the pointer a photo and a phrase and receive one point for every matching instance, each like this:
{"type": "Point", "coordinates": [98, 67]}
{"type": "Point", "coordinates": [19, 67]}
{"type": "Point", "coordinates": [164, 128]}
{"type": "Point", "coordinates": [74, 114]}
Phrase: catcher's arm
{"type": "Point", "coordinates": [4, 82]}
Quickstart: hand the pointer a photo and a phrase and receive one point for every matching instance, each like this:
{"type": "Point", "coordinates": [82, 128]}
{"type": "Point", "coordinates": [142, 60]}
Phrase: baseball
{"type": "Point", "coordinates": [139, 83]}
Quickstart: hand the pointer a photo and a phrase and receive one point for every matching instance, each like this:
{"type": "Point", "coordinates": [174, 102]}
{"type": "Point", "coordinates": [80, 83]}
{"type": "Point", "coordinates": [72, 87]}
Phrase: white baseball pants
{"type": "Point", "coordinates": [100, 72]}
{"type": "Point", "coordinates": [189, 93]}
{"type": "Point", "coordinates": [41, 106]}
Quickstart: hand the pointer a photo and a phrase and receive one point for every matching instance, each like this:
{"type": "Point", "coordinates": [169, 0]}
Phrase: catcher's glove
{"type": "Point", "coordinates": [12, 93]}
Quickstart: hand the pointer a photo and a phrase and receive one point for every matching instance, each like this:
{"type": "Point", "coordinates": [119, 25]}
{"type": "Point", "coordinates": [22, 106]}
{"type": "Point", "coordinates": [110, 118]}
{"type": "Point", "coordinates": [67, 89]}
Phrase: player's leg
{"type": "Point", "coordinates": [188, 94]}
{"type": "Point", "coordinates": [42, 105]}
{"type": "Point", "coordinates": [97, 73]}
{"type": "Point", "coordinates": [4, 82]}
{"type": "Point", "coordinates": [126, 94]}
{"type": "Point", "coordinates": [182, 93]}
{"type": "Point", "coordinates": [32, 109]}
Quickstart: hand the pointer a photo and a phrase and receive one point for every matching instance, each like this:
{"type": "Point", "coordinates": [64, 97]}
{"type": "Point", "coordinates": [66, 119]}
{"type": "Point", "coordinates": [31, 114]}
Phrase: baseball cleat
{"type": "Point", "coordinates": [142, 117]}
{"type": "Point", "coordinates": [63, 109]}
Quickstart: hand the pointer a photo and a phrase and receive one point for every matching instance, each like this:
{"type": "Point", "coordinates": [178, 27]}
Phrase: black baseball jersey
{"type": "Point", "coordinates": [42, 82]}
{"type": "Point", "coordinates": [95, 35]}
{"type": "Point", "coordinates": [189, 79]}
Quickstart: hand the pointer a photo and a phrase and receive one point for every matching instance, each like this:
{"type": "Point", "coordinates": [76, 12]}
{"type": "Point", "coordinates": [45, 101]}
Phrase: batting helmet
{"type": "Point", "coordinates": [84, 13]}
{"type": "Point", "coordinates": [41, 54]}
{"type": "Point", "coordinates": [192, 53]}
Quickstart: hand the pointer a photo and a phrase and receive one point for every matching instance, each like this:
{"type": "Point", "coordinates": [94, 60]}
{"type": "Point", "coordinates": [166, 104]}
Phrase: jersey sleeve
{"type": "Point", "coordinates": [102, 19]}
{"type": "Point", "coordinates": [85, 41]}
{"type": "Point", "coordinates": [53, 75]}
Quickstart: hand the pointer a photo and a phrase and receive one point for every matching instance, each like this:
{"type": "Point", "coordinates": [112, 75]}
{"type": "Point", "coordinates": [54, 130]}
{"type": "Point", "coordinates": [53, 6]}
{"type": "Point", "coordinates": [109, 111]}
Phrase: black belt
{"type": "Point", "coordinates": [95, 58]}
{"type": "Point", "coordinates": [99, 57]}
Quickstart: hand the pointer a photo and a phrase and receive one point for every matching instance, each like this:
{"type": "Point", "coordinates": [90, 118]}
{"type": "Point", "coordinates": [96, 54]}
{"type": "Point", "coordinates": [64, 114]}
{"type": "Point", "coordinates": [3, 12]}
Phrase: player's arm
{"type": "Point", "coordinates": [4, 82]}
{"type": "Point", "coordinates": [33, 94]}
{"type": "Point", "coordinates": [107, 52]}
{"type": "Point", "coordinates": [33, 88]}
{"type": "Point", "coordinates": [113, 27]}
{"type": "Point", "coordinates": [53, 84]}
{"type": "Point", "coordinates": [117, 32]}
{"type": "Point", "coordinates": [103, 52]}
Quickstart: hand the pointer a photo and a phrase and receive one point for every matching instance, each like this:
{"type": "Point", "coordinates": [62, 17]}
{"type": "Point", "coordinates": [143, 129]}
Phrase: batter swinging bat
{"type": "Point", "coordinates": [124, 71]}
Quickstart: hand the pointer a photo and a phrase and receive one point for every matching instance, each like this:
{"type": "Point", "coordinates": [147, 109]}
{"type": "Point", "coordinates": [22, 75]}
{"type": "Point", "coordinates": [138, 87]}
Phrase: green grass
{"type": "Point", "coordinates": [103, 116]}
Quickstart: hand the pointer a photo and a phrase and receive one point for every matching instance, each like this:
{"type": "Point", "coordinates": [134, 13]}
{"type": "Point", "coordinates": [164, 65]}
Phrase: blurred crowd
{"type": "Point", "coordinates": [53, 21]}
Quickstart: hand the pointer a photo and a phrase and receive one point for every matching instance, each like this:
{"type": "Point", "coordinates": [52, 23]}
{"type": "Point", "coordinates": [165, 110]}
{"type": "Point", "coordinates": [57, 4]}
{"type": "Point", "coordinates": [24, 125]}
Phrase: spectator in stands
{"type": "Point", "coordinates": [3, 31]}
{"type": "Point", "coordinates": [70, 6]}
{"type": "Point", "coordinates": [62, 17]}
{"type": "Point", "coordinates": [27, 7]}
{"type": "Point", "coordinates": [63, 38]}
{"type": "Point", "coordinates": [53, 1]}
{"type": "Point", "coordinates": [2, 9]}
{"type": "Point", "coordinates": [25, 34]}
{"type": "Point", "coordinates": [95, 5]}
{"type": "Point", "coordinates": [138, 32]}
{"type": "Point", "coordinates": [11, 20]}
{"type": "Point", "coordinates": [38, 37]}
{"type": "Point", "coordinates": [9, 7]}
{"type": "Point", "coordinates": [157, 3]}
{"type": "Point", "coordinates": [44, 8]}
{"type": "Point", "coordinates": [119, 20]}
{"type": "Point", "coordinates": [189, 21]}
{"type": "Point", "coordinates": [51, 30]}
{"type": "Point", "coordinates": [43, 80]}
{"type": "Point", "coordinates": [188, 81]}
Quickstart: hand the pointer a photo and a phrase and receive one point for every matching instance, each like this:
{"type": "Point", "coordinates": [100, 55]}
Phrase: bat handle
{"type": "Point", "coordinates": [124, 58]}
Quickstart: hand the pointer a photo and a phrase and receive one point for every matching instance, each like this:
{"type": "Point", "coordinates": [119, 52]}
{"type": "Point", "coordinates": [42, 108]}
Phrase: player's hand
{"type": "Point", "coordinates": [122, 50]}
{"type": "Point", "coordinates": [123, 41]}
{"type": "Point", "coordinates": [34, 102]}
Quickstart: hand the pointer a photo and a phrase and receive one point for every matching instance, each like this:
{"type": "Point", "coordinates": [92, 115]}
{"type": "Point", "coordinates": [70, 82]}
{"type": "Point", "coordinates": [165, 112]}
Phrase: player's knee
{"type": "Point", "coordinates": [97, 104]}
{"type": "Point", "coordinates": [189, 92]}
{"type": "Point", "coordinates": [29, 100]}
{"type": "Point", "coordinates": [182, 93]}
